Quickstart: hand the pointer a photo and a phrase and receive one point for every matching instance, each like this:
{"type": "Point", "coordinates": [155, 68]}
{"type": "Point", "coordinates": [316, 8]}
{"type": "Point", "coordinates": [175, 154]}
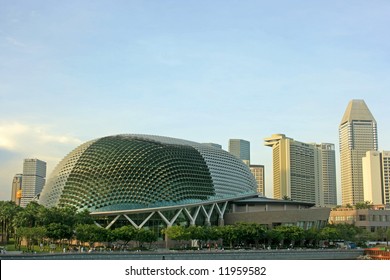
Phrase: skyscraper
{"type": "Point", "coordinates": [327, 194]}
{"type": "Point", "coordinates": [16, 192]}
{"type": "Point", "coordinates": [358, 134]}
{"type": "Point", "coordinates": [33, 179]}
{"type": "Point", "coordinates": [258, 173]}
{"type": "Point", "coordinates": [303, 172]}
{"type": "Point", "coordinates": [241, 149]}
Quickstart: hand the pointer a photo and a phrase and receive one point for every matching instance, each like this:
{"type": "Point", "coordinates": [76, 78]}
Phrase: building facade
{"type": "Point", "coordinates": [303, 172]}
{"type": "Point", "coordinates": [259, 174]}
{"type": "Point", "coordinates": [16, 191]}
{"type": "Point", "coordinates": [327, 194]}
{"type": "Point", "coordinates": [33, 179]}
{"type": "Point", "coordinates": [156, 182]}
{"type": "Point", "coordinates": [376, 177]}
{"type": "Point", "coordinates": [272, 213]}
{"type": "Point", "coordinates": [369, 219]}
{"type": "Point", "coordinates": [357, 134]}
{"type": "Point", "coordinates": [241, 149]}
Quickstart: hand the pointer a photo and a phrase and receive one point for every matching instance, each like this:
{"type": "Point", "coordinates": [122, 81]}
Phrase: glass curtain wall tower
{"type": "Point", "coordinates": [33, 179]}
{"type": "Point", "coordinates": [241, 149]}
{"type": "Point", "coordinates": [358, 134]}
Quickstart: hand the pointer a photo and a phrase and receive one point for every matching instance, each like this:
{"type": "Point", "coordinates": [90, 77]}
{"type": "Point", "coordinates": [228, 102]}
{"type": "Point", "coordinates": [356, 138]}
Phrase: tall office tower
{"type": "Point", "coordinates": [327, 194]}
{"type": "Point", "coordinates": [33, 180]}
{"type": "Point", "coordinates": [258, 173]}
{"type": "Point", "coordinates": [376, 177]}
{"type": "Point", "coordinates": [241, 149]}
{"type": "Point", "coordinates": [303, 172]}
{"type": "Point", "coordinates": [358, 134]}
{"type": "Point", "coordinates": [16, 192]}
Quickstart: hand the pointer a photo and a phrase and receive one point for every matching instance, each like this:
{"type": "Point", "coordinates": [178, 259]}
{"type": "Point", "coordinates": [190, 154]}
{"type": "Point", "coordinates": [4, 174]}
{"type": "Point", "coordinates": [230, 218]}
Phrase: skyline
{"type": "Point", "coordinates": [205, 72]}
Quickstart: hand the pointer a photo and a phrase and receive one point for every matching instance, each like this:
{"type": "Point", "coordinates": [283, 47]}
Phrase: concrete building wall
{"type": "Point", "coordinates": [369, 219]}
{"type": "Point", "coordinates": [305, 218]}
{"type": "Point", "coordinates": [372, 178]}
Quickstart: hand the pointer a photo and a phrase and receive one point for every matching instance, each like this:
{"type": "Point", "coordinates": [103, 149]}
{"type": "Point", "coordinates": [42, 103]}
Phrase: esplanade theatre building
{"type": "Point", "coordinates": [155, 182]}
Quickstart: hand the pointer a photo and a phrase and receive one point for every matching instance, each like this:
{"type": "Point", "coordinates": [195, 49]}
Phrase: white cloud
{"type": "Point", "coordinates": [19, 137]}
{"type": "Point", "coordinates": [19, 141]}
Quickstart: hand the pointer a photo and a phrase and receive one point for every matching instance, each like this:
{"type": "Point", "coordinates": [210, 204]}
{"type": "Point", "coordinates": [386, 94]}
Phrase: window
{"type": "Point", "coordinates": [351, 218]}
{"type": "Point", "coordinates": [362, 217]}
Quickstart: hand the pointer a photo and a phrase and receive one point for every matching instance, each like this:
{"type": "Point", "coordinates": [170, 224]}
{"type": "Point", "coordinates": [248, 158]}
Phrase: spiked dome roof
{"type": "Point", "coordinates": [124, 172]}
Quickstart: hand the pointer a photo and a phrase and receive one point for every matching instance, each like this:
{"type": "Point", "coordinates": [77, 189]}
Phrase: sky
{"type": "Point", "coordinates": [205, 71]}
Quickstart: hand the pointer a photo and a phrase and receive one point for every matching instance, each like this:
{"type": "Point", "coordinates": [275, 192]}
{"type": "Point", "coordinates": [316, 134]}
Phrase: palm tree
{"type": "Point", "coordinates": [8, 210]}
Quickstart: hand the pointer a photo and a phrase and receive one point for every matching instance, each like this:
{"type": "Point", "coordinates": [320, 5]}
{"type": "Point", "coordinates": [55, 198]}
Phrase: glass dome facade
{"type": "Point", "coordinates": [127, 172]}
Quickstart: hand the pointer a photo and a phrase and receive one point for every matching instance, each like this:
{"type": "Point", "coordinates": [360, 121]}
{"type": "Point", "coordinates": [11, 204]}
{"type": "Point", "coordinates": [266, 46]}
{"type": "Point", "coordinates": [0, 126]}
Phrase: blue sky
{"type": "Point", "coordinates": [206, 71]}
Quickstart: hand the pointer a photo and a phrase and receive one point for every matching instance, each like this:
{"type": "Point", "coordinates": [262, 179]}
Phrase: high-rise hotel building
{"type": "Point", "coordinates": [241, 149]}
{"type": "Point", "coordinates": [358, 134]}
{"type": "Point", "coordinates": [33, 179]}
{"type": "Point", "coordinates": [376, 177]}
{"type": "Point", "coordinates": [303, 172]}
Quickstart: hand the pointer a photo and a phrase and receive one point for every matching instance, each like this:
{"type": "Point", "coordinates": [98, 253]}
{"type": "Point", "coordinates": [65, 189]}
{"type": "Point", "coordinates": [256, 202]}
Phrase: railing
{"type": "Point", "coordinates": [377, 254]}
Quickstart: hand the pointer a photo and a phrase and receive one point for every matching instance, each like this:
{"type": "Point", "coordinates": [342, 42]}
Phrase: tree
{"type": "Point", "coordinates": [229, 234]}
{"type": "Point", "coordinates": [204, 234]}
{"type": "Point", "coordinates": [347, 231]}
{"type": "Point", "coordinates": [362, 237]}
{"type": "Point", "coordinates": [294, 234]}
{"type": "Point", "coordinates": [387, 236]}
{"type": "Point", "coordinates": [250, 233]}
{"type": "Point", "coordinates": [83, 218]}
{"type": "Point", "coordinates": [91, 234]}
{"type": "Point", "coordinates": [31, 235]}
{"type": "Point", "coordinates": [380, 234]}
{"type": "Point", "coordinates": [125, 234]}
{"type": "Point", "coordinates": [274, 236]}
{"type": "Point", "coordinates": [290, 233]}
{"type": "Point", "coordinates": [329, 233]}
{"type": "Point", "coordinates": [312, 236]}
{"type": "Point", "coordinates": [145, 236]}
{"type": "Point", "coordinates": [364, 205]}
{"type": "Point", "coordinates": [176, 232]}
{"type": "Point", "coordinates": [56, 231]}
{"type": "Point", "coordinates": [8, 211]}
{"type": "Point", "coordinates": [29, 216]}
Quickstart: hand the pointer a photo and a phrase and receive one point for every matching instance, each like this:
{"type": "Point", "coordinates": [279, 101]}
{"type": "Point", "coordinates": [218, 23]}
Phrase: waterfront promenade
{"type": "Point", "coordinates": [326, 254]}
